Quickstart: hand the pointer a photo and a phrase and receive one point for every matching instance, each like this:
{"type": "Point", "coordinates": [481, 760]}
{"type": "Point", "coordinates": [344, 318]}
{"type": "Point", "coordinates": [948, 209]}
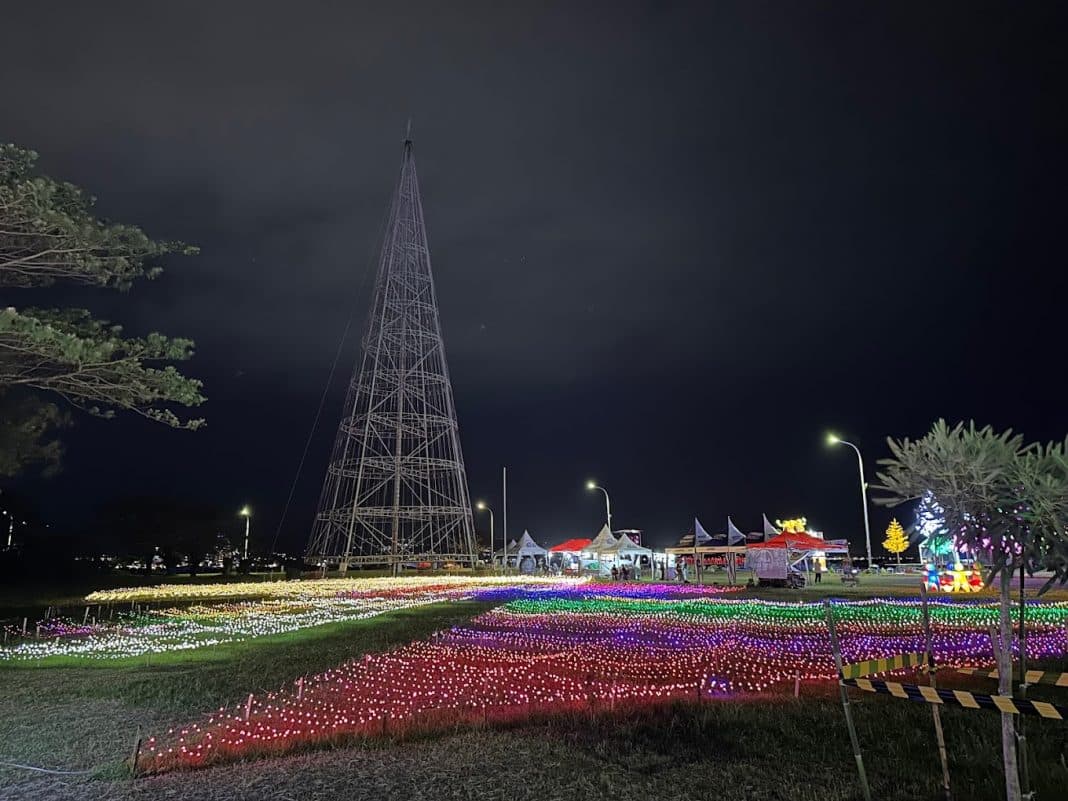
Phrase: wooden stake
{"type": "Point", "coordinates": [248, 706]}
{"type": "Point", "coordinates": [861, 774]}
{"type": "Point", "coordinates": [797, 684]}
{"type": "Point", "coordinates": [935, 713]}
{"type": "Point", "coordinates": [136, 753]}
{"type": "Point", "coordinates": [1021, 728]}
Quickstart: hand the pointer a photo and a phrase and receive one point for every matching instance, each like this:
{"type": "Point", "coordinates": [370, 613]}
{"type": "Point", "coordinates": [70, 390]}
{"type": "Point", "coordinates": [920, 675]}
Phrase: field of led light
{"type": "Point", "coordinates": [559, 692]}
{"type": "Point", "coordinates": [566, 649]}
{"type": "Point", "coordinates": [288, 606]}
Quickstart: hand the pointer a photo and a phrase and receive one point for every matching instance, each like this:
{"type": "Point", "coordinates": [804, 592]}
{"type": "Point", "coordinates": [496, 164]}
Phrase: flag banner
{"type": "Point", "coordinates": [701, 537]}
{"type": "Point", "coordinates": [734, 536]}
{"type": "Point", "coordinates": [769, 530]}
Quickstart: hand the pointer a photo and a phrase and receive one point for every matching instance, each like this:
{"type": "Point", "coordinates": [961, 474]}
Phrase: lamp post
{"type": "Point", "coordinates": [482, 507]}
{"type": "Point", "coordinates": [591, 486]}
{"type": "Point", "coordinates": [833, 439]}
{"type": "Point", "coordinates": [246, 513]}
{"type": "Point", "coordinates": [11, 527]}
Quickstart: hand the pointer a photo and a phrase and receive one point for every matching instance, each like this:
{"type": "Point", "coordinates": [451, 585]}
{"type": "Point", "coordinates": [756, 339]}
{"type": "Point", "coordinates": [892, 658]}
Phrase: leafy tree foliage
{"type": "Point", "coordinates": [27, 427]}
{"type": "Point", "coordinates": [1000, 498]}
{"type": "Point", "coordinates": [49, 234]}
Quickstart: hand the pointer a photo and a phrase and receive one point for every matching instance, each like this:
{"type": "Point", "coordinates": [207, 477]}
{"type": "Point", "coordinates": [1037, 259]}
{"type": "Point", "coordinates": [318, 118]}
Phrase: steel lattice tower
{"type": "Point", "coordinates": [396, 488]}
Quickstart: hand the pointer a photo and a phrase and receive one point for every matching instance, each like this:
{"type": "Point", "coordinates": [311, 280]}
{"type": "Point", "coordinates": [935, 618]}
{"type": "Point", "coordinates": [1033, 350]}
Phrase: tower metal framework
{"type": "Point", "coordinates": [396, 488]}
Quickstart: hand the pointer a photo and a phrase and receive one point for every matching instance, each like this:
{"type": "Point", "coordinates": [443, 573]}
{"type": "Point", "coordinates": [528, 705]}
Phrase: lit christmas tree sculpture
{"type": "Point", "coordinates": [896, 541]}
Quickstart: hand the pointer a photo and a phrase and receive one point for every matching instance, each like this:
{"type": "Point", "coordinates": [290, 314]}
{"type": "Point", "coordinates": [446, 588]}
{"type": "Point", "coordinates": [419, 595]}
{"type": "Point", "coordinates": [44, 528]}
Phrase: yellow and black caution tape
{"type": "Point", "coordinates": [1030, 677]}
{"type": "Point", "coordinates": [931, 695]}
{"type": "Point", "coordinates": [858, 669]}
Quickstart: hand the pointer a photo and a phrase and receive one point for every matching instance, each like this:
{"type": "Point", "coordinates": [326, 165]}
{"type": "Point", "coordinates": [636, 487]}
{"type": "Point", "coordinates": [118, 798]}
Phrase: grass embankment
{"type": "Point", "coordinates": [84, 714]}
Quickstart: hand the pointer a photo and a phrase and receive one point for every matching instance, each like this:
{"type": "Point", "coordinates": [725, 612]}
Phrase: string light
{"type": "Point", "coordinates": [569, 647]}
{"type": "Point", "coordinates": [312, 588]}
{"type": "Point", "coordinates": [200, 625]}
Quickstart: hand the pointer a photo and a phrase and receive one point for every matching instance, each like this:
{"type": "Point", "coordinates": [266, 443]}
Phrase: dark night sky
{"type": "Point", "coordinates": [672, 247]}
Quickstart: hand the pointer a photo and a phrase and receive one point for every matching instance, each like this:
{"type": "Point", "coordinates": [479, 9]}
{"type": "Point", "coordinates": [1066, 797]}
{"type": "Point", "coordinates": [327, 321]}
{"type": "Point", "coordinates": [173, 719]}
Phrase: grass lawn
{"type": "Point", "coordinates": [85, 716]}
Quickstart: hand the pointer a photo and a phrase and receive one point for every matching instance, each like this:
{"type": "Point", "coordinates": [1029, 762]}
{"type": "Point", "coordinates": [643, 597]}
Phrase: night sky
{"type": "Point", "coordinates": [673, 247]}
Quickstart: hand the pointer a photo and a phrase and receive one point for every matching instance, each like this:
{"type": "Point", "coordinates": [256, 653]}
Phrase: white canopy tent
{"type": "Point", "coordinates": [509, 551]}
{"type": "Point", "coordinates": [602, 542]}
{"type": "Point", "coordinates": [626, 547]}
{"type": "Point", "coordinates": [527, 547]}
{"type": "Point", "coordinates": [525, 553]}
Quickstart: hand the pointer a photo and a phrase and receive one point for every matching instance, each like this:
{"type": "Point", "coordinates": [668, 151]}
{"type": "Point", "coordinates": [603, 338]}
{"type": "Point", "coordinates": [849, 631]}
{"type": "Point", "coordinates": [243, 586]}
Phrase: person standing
{"type": "Point", "coordinates": [819, 570]}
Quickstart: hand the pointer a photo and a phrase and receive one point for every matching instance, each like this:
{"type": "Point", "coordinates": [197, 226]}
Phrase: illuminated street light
{"type": "Point", "coordinates": [11, 527]}
{"type": "Point", "coordinates": [481, 506]}
{"type": "Point", "coordinates": [246, 513]}
{"type": "Point", "coordinates": [834, 439]}
{"type": "Point", "coordinates": [591, 486]}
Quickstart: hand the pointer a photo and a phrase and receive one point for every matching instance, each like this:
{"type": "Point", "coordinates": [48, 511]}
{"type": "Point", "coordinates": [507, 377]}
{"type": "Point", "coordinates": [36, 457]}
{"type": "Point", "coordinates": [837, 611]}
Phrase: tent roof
{"type": "Point", "coordinates": [626, 545]}
{"type": "Point", "coordinates": [602, 541]}
{"type": "Point", "coordinates": [800, 542]}
{"type": "Point", "coordinates": [577, 544]}
{"type": "Point", "coordinates": [527, 547]}
{"type": "Point", "coordinates": [511, 549]}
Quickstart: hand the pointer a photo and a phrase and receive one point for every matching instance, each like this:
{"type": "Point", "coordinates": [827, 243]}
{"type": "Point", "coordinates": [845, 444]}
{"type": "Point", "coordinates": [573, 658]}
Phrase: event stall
{"type": "Point", "coordinates": [600, 544]}
{"type": "Point", "coordinates": [570, 555]}
{"type": "Point", "coordinates": [626, 550]}
{"type": "Point", "coordinates": [773, 561]}
{"type": "Point", "coordinates": [527, 553]}
{"type": "Point", "coordinates": [696, 545]}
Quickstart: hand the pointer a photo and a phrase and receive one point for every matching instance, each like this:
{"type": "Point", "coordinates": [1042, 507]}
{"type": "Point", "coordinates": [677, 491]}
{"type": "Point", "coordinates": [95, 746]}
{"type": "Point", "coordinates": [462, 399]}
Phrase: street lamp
{"type": "Point", "coordinates": [481, 506]}
{"type": "Point", "coordinates": [834, 439]}
{"type": "Point", "coordinates": [11, 527]}
{"type": "Point", "coordinates": [591, 486]}
{"type": "Point", "coordinates": [246, 513]}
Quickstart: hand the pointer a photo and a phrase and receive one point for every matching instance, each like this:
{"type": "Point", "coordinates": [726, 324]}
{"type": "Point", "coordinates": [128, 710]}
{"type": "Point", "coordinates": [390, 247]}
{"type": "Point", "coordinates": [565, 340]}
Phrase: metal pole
{"type": "Point", "coordinates": [939, 736]}
{"type": "Point", "coordinates": [607, 507]}
{"type": "Point", "coordinates": [248, 523]}
{"type": "Point", "coordinates": [484, 507]}
{"type": "Point", "coordinates": [863, 499]}
{"type": "Point", "coordinates": [504, 489]}
{"type": "Point", "coordinates": [845, 704]}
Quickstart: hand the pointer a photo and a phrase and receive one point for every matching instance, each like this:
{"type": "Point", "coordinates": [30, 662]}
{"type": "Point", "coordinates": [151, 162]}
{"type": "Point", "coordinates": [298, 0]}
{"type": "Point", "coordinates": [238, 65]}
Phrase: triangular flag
{"type": "Point", "coordinates": [769, 530]}
{"type": "Point", "coordinates": [734, 536]}
{"type": "Point", "coordinates": [700, 536]}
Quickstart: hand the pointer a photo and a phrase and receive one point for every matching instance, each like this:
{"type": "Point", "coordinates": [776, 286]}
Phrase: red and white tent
{"type": "Point", "coordinates": [577, 545]}
{"type": "Point", "coordinates": [774, 559]}
{"type": "Point", "coordinates": [799, 541]}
